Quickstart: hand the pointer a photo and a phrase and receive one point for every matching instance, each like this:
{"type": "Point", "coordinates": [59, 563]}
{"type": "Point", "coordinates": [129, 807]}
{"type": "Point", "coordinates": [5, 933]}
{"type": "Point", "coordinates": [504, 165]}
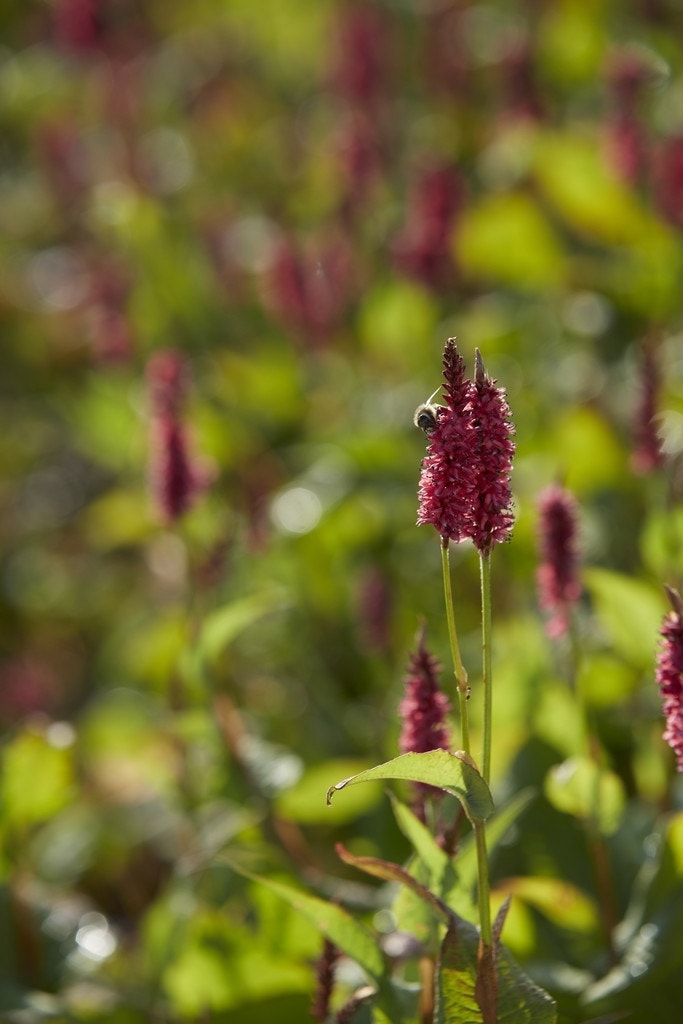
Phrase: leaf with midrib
{"type": "Point", "coordinates": [520, 1001]}
{"type": "Point", "coordinates": [451, 772]}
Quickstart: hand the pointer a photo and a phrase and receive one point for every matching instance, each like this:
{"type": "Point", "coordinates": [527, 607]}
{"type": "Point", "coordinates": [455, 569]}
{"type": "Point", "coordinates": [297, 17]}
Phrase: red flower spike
{"type": "Point", "coordinates": [557, 575]}
{"type": "Point", "coordinates": [174, 480]}
{"type": "Point", "coordinates": [465, 480]}
{"type": "Point", "coordinates": [669, 675]}
{"type": "Point", "coordinates": [448, 476]}
{"type": "Point", "coordinates": [423, 709]}
{"type": "Point", "coordinates": [491, 518]}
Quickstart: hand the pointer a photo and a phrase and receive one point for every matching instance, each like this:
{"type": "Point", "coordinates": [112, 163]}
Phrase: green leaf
{"type": "Point", "coordinates": [520, 1001]}
{"type": "Point", "coordinates": [496, 828]}
{"type": "Point", "coordinates": [580, 787]}
{"type": "Point", "coordinates": [630, 613]}
{"type": "Point", "coordinates": [389, 872]}
{"type": "Point", "coordinates": [574, 177]}
{"type": "Point", "coordinates": [439, 768]}
{"type": "Point", "coordinates": [506, 238]}
{"type": "Point", "coordinates": [560, 901]}
{"type": "Point", "coordinates": [37, 779]}
{"type": "Point", "coordinates": [352, 937]}
{"type": "Point", "coordinates": [222, 626]}
{"type": "Point", "coordinates": [455, 881]}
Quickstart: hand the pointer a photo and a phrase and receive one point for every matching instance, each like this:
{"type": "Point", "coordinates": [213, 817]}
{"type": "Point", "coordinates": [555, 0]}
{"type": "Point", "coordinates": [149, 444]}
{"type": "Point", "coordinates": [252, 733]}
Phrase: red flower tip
{"type": "Point", "coordinates": [557, 575]}
{"type": "Point", "coordinates": [669, 675]}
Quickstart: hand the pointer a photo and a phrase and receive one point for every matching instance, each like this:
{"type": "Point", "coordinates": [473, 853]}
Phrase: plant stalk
{"type": "Point", "coordinates": [458, 667]}
{"type": "Point", "coordinates": [485, 576]}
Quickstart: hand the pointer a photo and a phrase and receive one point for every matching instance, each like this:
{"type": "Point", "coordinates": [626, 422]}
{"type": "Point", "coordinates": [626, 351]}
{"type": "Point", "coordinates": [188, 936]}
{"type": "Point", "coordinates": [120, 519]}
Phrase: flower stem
{"type": "Point", "coordinates": [458, 667]}
{"type": "Point", "coordinates": [485, 576]}
{"type": "Point", "coordinates": [483, 888]}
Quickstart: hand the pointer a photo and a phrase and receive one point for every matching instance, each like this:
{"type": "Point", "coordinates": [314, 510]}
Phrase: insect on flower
{"type": "Point", "coordinates": [426, 415]}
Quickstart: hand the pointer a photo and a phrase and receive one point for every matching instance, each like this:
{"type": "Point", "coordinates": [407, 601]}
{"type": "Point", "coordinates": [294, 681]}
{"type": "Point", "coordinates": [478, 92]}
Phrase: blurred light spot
{"type": "Point", "coordinates": [60, 735]}
{"type": "Point", "coordinates": [579, 377]}
{"type": "Point", "coordinates": [167, 160]}
{"type": "Point", "coordinates": [384, 921]}
{"type": "Point", "coordinates": [57, 277]}
{"type": "Point", "coordinates": [297, 510]}
{"type": "Point", "coordinates": [93, 938]}
{"type": "Point", "coordinates": [62, 919]}
{"type": "Point", "coordinates": [401, 946]}
{"type": "Point", "coordinates": [274, 767]}
{"type": "Point", "coordinates": [587, 313]}
{"type": "Point", "coordinates": [251, 243]}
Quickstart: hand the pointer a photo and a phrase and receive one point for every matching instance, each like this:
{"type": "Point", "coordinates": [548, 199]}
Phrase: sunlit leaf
{"type": "Point", "coordinates": [451, 772]}
{"type": "Point", "coordinates": [389, 872]}
{"type": "Point", "coordinates": [560, 901]}
{"type": "Point", "coordinates": [630, 612]}
{"type": "Point", "coordinates": [574, 176]}
{"type": "Point", "coordinates": [36, 779]}
{"type": "Point", "coordinates": [340, 927]}
{"type": "Point", "coordinates": [580, 787]}
{"type": "Point", "coordinates": [520, 1001]}
{"type": "Point", "coordinates": [507, 239]}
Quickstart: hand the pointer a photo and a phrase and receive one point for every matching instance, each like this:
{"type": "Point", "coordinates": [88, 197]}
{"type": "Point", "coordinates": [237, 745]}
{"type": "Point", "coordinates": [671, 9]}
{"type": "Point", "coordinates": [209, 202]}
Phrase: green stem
{"type": "Point", "coordinates": [483, 888]}
{"type": "Point", "coordinates": [458, 667]}
{"type": "Point", "coordinates": [485, 576]}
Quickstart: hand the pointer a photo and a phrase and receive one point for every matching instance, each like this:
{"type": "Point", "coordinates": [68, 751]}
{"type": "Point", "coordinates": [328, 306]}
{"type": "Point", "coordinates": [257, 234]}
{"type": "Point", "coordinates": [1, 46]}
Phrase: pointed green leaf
{"type": "Point", "coordinates": [456, 976]}
{"type": "Point", "coordinates": [629, 611]}
{"type": "Point", "coordinates": [352, 937]}
{"type": "Point", "coordinates": [496, 828]}
{"type": "Point", "coordinates": [222, 626]}
{"type": "Point", "coordinates": [440, 873]}
{"type": "Point", "coordinates": [389, 872]}
{"type": "Point", "coordinates": [452, 772]}
{"type": "Point", "coordinates": [520, 1001]}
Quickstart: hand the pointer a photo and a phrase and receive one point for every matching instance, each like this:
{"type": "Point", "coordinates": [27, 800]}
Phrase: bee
{"type": "Point", "coordinates": [426, 416]}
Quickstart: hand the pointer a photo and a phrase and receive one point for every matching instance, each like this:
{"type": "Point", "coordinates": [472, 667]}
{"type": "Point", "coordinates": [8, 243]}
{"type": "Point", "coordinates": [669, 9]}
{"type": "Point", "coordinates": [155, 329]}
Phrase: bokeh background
{"type": "Point", "coordinates": [283, 209]}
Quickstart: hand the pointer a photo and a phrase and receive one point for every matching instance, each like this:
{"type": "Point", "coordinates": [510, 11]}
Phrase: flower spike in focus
{"type": "Point", "coordinates": [669, 674]}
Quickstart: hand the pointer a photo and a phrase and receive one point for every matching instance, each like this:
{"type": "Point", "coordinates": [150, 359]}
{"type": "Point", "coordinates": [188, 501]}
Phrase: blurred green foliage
{"type": "Point", "coordinates": [240, 182]}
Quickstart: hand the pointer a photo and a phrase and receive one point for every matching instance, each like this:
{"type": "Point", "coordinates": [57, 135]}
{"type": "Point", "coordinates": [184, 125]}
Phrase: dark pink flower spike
{"type": "Point", "coordinates": [557, 575]}
{"type": "Point", "coordinates": [167, 381]}
{"type": "Point", "coordinates": [173, 478]}
{"type": "Point", "coordinates": [423, 709]}
{"type": "Point", "coordinates": [669, 675]}
{"type": "Point", "coordinates": [491, 517]}
{"type": "Point", "coordinates": [647, 453]}
{"type": "Point", "coordinates": [448, 476]}
{"type": "Point", "coordinates": [325, 968]}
